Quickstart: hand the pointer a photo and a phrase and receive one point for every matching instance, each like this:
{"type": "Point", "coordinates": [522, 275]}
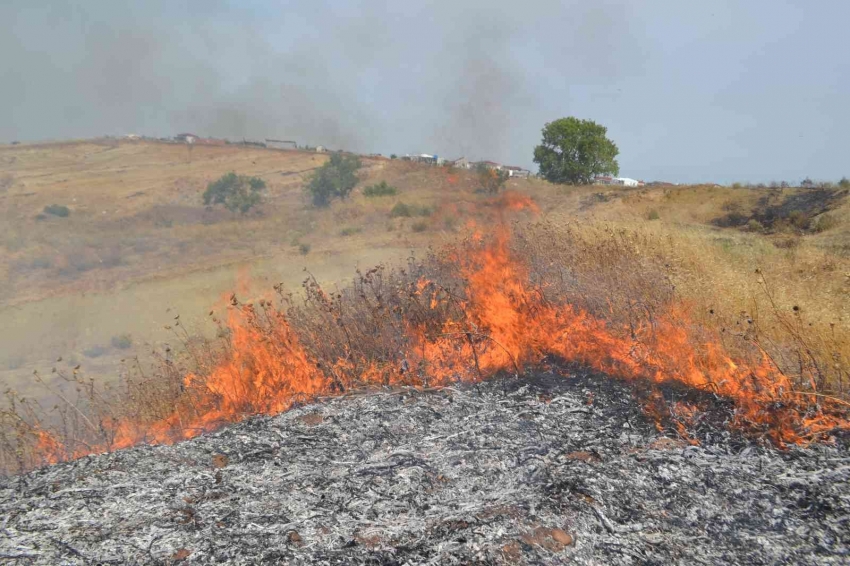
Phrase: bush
{"type": "Point", "coordinates": [491, 180]}
{"type": "Point", "coordinates": [787, 243]}
{"type": "Point", "coordinates": [382, 189]}
{"type": "Point", "coordinates": [236, 192]}
{"type": "Point", "coordinates": [823, 223]}
{"type": "Point", "coordinates": [844, 183]}
{"type": "Point", "coordinates": [401, 210]}
{"type": "Point", "coordinates": [653, 215]}
{"type": "Point", "coordinates": [408, 210]}
{"type": "Point", "coordinates": [755, 226]}
{"type": "Point", "coordinates": [335, 179]}
{"type": "Point", "coordinates": [6, 181]}
{"type": "Point", "coordinates": [57, 210]}
{"type": "Point", "coordinates": [121, 341]}
{"type": "Point", "coordinates": [304, 249]}
{"type": "Point", "coordinates": [798, 219]}
{"type": "Point", "coordinates": [350, 231]}
{"type": "Point", "coordinates": [419, 226]}
{"type": "Point", "coordinates": [95, 351]}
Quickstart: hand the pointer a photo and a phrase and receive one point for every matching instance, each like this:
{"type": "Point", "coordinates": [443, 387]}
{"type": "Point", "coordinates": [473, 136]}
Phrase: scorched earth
{"type": "Point", "coordinates": [553, 468]}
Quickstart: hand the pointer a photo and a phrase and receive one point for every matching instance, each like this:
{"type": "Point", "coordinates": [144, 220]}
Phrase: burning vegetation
{"type": "Point", "coordinates": [500, 302]}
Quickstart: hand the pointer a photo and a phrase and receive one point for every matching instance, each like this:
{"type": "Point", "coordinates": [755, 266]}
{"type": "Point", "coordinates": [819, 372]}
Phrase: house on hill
{"type": "Point", "coordinates": [518, 172]}
{"type": "Point", "coordinates": [488, 165]}
{"type": "Point", "coordinates": [187, 138]}
{"type": "Point", "coordinates": [461, 163]}
{"type": "Point", "coordinates": [622, 181]}
{"type": "Point", "coordinates": [281, 144]}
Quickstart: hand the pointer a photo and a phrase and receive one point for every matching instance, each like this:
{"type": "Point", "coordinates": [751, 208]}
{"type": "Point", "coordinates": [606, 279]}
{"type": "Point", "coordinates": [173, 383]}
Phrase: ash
{"type": "Point", "coordinates": [549, 469]}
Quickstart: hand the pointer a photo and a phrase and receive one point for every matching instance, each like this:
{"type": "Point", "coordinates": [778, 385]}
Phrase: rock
{"type": "Point", "coordinates": [311, 419]}
{"type": "Point", "coordinates": [554, 540]}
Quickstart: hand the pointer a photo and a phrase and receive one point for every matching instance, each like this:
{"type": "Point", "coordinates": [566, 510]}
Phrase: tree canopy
{"type": "Point", "coordinates": [236, 192]}
{"type": "Point", "coordinates": [335, 179]}
{"type": "Point", "coordinates": [574, 151]}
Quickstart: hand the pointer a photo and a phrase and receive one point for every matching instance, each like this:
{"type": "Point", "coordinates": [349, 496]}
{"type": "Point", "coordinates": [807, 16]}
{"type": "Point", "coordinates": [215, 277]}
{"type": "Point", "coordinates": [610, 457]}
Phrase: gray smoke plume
{"type": "Point", "coordinates": [478, 78]}
{"type": "Point", "coordinates": [369, 78]}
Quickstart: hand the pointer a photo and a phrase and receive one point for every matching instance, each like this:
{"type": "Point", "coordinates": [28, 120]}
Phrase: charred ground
{"type": "Point", "coordinates": [558, 466]}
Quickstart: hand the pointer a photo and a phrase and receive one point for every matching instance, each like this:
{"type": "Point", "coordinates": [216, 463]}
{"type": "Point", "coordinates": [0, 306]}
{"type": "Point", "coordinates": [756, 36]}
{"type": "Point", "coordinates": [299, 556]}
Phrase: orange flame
{"type": "Point", "coordinates": [508, 325]}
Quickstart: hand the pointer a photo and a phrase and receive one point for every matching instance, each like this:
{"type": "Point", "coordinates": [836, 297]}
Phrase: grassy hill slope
{"type": "Point", "coordinates": [138, 247]}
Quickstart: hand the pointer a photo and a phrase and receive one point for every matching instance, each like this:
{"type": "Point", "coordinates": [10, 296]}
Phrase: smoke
{"type": "Point", "coordinates": [366, 78]}
{"type": "Point", "coordinates": [475, 78]}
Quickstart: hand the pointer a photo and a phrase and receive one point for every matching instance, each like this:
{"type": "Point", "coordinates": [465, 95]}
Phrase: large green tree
{"type": "Point", "coordinates": [574, 151]}
{"type": "Point", "coordinates": [335, 179]}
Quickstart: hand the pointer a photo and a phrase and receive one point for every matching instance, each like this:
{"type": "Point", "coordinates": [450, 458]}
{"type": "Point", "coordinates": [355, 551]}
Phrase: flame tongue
{"type": "Point", "coordinates": [507, 323]}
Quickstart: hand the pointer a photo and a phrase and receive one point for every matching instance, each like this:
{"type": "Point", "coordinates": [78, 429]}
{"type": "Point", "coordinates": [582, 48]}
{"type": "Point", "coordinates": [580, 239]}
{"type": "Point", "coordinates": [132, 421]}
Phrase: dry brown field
{"type": "Point", "coordinates": [138, 247]}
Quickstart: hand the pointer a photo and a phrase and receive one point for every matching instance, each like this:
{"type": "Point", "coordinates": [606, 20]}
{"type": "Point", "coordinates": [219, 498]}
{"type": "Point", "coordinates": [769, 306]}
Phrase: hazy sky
{"type": "Point", "coordinates": [754, 90]}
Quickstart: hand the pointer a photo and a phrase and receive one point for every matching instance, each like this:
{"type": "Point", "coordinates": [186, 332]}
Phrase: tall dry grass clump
{"type": "Point", "coordinates": [661, 306]}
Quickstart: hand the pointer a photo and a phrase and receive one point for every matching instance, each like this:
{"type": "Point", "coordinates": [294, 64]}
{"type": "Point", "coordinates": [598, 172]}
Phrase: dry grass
{"type": "Point", "coordinates": [758, 299]}
{"type": "Point", "coordinates": [155, 245]}
{"type": "Point", "coordinates": [792, 304]}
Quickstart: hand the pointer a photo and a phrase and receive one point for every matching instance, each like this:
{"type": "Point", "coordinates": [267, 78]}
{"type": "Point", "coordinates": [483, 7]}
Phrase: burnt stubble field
{"type": "Point", "coordinates": [556, 467]}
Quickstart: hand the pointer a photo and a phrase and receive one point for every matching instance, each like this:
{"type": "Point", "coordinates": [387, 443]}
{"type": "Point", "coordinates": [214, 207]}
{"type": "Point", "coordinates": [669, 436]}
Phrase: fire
{"type": "Point", "coordinates": [507, 325]}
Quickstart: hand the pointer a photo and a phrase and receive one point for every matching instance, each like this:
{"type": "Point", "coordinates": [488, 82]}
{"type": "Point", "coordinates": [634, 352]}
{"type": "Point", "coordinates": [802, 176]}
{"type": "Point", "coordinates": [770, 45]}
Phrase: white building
{"type": "Point", "coordinates": [622, 181]}
{"type": "Point", "coordinates": [517, 172]}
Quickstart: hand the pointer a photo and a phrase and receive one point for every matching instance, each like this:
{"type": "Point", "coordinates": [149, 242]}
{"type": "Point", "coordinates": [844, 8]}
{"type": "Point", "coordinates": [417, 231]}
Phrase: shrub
{"type": "Point", "coordinates": [419, 226]}
{"type": "Point", "coordinates": [335, 179]}
{"type": "Point", "coordinates": [755, 226]}
{"type": "Point", "coordinates": [823, 223]}
{"type": "Point", "coordinates": [382, 189]}
{"type": "Point", "coordinates": [57, 210]}
{"type": "Point", "coordinates": [304, 249]}
{"type": "Point", "coordinates": [236, 192]}
{"type": "Point", "coordinates": [787, 243]}
{"type": "Point", "coordinates": [350, 231]}
{"type": "Point", "coordinates": [653, 215]}
{"type": "Point", "coordinates": [401, 210]}
{"type": "Point", "coordinates": [844, 183]}
{"type": "Point", "coordinates": [121, 341]}
{"type": "Point", "coordinates": [491, 180]}
{"type": "Point", "coordinates": [798, 219]}
{"type": "Point", "coordinates": [6, 181]}
{"type": "Point", "coordinates": [95, 351]}
{"type": "Point", "coordinates": [393, 156]}
{"type": "Point", "coordinates": [408, 210]}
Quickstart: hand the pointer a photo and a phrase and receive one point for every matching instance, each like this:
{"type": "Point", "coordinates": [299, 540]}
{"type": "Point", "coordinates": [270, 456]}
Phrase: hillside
{"type": "Point", "coordinates": [138, 248]}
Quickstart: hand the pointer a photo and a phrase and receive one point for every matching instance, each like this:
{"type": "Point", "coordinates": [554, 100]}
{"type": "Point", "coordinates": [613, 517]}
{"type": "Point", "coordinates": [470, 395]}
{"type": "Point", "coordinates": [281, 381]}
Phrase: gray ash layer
{"type": "Point", "coordinates": [556, 470]}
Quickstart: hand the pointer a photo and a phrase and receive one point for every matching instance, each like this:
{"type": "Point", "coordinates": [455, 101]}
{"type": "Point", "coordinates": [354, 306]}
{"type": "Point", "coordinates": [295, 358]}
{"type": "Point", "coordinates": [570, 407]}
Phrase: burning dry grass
{"type": "Point", "coordinates": [630, 304]}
